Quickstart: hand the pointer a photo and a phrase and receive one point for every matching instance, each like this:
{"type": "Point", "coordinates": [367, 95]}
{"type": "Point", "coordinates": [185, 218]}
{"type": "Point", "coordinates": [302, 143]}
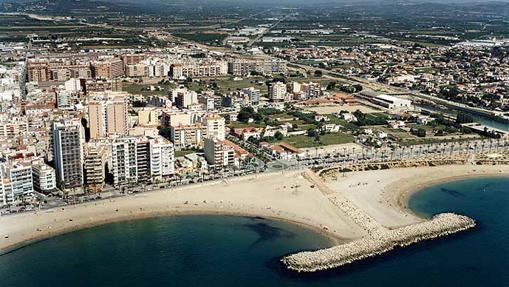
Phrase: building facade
{"type": "Point", "coordinates": [44, 178]}
{"type": "Point", "coordinates": [67, 136]}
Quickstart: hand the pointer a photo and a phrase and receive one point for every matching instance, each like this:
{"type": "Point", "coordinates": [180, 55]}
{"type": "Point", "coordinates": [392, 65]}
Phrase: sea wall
{"type": "Point", "coordinates": [383, 240]}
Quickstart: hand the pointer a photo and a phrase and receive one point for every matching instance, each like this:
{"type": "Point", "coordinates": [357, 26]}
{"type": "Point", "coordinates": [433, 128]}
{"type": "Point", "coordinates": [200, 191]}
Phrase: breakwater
{"type": "Point", "coordinates": [440, 225]}
{"type": "Point", "coordinates": [378, 239]}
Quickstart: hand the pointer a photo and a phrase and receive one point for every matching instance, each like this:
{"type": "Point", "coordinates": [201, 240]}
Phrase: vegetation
{"type": "Point", "coordinates": [206, 38]}
{"type": "Point", "coordinates": [464, 118]}
{"type": "Point", "coordinates": [370, 119]}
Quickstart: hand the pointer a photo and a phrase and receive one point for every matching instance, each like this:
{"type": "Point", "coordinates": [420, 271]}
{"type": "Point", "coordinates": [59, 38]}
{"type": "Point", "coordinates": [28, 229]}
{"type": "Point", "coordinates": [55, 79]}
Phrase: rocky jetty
{"type": "Point", "coordinates": [379, 239]}
{"type": "Point", "coordinates": [379, 242]}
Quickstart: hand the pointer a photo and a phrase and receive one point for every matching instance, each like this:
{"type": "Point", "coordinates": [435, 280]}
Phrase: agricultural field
{"type": "Point", "coordinates": [204, 38]}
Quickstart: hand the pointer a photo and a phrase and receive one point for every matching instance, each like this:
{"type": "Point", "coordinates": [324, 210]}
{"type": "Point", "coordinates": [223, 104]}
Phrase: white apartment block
{"type": "Point", "coordinates": [175, 118]}
{"type": "Point", "coordinates": [214, 126]}
{"type": "Point", "coordinates": [277, 91]}
{"type": "Point", "coordinates": [187, 136]}
{"type": "Point", "coordinates": [243, 67]}
{"type": "Point", "coordinates": [17, 178]}
{"type": "Point", "coordinates": [183, 98]}
{"type": "Point", "coordinates": [162, 158]}
{"type": "Point", "coordinates": [141, 159]}
{"type": "Point", "coordinates": [199, 70]}
{"type": "Point", "coordinates": [218, 154]}
{"type": "Point", "coordinates": [44, 178]}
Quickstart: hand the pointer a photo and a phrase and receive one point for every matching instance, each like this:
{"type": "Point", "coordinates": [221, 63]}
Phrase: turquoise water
{"type": "Point", "coordinates": [240, 251]}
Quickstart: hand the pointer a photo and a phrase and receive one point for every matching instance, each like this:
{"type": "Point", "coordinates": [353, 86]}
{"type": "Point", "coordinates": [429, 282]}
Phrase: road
{"type": "Point", "coordinates": [393, 90]}
{"type": "Point", "coordinates": [268, 30]}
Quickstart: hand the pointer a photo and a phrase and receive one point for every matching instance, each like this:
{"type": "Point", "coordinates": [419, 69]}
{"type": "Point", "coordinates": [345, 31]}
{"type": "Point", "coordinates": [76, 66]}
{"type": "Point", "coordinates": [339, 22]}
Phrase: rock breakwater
{"type": "Point", "coordinates": [440, 225]}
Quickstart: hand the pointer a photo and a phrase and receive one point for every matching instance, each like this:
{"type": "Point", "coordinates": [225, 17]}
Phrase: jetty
{"type": "Point", "coordinates": [378, 239]}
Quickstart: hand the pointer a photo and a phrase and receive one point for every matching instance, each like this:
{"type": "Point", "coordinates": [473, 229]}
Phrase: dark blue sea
{"type": "Point", "coordinates": [240, 251]}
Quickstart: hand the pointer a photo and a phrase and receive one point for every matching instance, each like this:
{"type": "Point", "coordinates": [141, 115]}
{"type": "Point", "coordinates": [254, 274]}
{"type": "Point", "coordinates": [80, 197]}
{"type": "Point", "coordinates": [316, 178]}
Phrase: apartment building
{"type": "Point", "coordinates": [244, 67]}
{"type": "Point", "coordinates": [101, 85]}
{"type": "Point", "coordinates": [277, 92]}
{"type": "Point", "coordinates": [67, 136]}
{"type": "Point", "coordinates": [199, 70]}
{"type": "Point", "coordinates": [18, 177]}
{"type": "Point", "coordinates": [218, 153]}
{"type": "Point", "coordinates": [214, 126]}
{"type": "Point", "coordinates": [13, 127]}
{"type": "Point", "coordinates": [108, 69]}
{"type": "Point", "coordinates": [187, 136]}
{"type": "Point", "coordinates": [96, 157]}
{"type": "Point", "coordinates": [108, 114]}
{"type": "Point", "coordinates": [141, 159]}
{"type": "Point", "coordinates": [44, 177]}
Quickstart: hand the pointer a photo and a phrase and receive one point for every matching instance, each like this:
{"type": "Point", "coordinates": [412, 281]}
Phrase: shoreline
{"type": "Point", "coordinates": [282, 196]}
{"type": "Point", "coordinates": [383, 194]}
{"type": "Point", "coordinates": [332, 239]}
{"type": "Point", "coordinates": [404, 197]}
{"type": "Point", "coordinates": [366, 197]}
{"type": "Point", "coordinates": [214, 198]}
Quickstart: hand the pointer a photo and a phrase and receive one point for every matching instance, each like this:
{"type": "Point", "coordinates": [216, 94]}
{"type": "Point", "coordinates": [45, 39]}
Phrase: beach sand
{"type": "Point", "coordinates": [286, 196]}
{"type": "Point", "coordinates": [384, 194]}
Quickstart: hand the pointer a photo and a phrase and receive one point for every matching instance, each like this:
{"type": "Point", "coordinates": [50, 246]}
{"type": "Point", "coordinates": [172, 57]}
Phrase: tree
{"type": "Point", "coordinates": [358, 87]}
{"type": "Point", "coordinates": [449, 92]}
{"type": "Point", "coordinates": [420, 132]}
{"type": "Point", "coordinates": [139, 104]}
{"type": "Point", "coordinates": [279, 136]}
{"type": "Point", "coordinates": [464, 118]}
{"type": "Point", "coordinates": [164, 132]}
{"type": "Point", "coordinates": [312, 133]}
{"type": "Point", "coordinates": [318, 73]}
{"type": "Point", "coordinates": [245, 114]}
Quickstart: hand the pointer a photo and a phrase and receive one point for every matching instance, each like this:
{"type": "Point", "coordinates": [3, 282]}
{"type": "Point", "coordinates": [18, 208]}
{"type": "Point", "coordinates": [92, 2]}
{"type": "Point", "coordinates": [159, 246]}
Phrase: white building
{"type": "Point", "coordinates": [386, 101]}
{"type": "Point", "coordinates": [199, 69]}
{"type": "Point", "coordinates": [214, 126]}
{"type": "Point", "coordinates": [277, 91]}
{"type": "Point", "coordinates": [17, 179]}
{"type": "Point", "coordinates": [73, 85]}
{"type": "Point", "coordinates": [218, 154]}
{"type": "Point", "coordinates": [162, 158]}
{"type": "Point", "coordinates": [183, 98]}
{"type": "Point", "coordinates": [391, 102]}
{"type": "Point", "coordinates": [64, 99]}
{"type": "Point", "coordinates": [44, 178]}
{"type": "Point", "coordinates": [294, 87]}
{"type": "Point", "coordinates": [141, 159]}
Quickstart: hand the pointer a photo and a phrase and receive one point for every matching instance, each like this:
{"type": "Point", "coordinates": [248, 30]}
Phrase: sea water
{"type": "Point", "coordinates": [206, 250]}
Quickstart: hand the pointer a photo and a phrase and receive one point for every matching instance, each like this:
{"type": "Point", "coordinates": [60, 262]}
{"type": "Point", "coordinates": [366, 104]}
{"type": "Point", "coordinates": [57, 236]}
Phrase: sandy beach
{"type": "Point", "coordinates": [288, 196]}
{"type": "Point", "coordinates": [384, 194]}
